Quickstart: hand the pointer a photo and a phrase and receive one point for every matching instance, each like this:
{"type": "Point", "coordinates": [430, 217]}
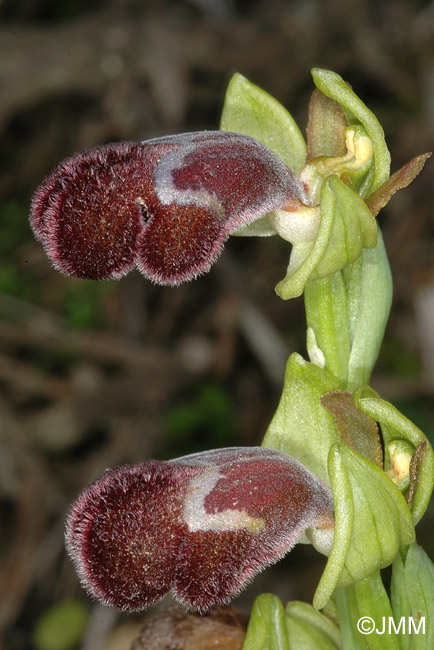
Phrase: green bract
{"type": "Point", "coordinates": [412, 595]}
{"type": "Point", "coordinates": [267, 626]}
{"type": "Point", "coordinates": [372, 517]}
{"type": "Point", "coordinates": [310, 629]}
{"type": "Point", "coordinates": [372, 521]}
{"type": "Point", "coordinates": [271, 627]}
{"type": "Point", "coordinates": [364, 608]}
{"type": "Point", "coordinates": [301, 427]}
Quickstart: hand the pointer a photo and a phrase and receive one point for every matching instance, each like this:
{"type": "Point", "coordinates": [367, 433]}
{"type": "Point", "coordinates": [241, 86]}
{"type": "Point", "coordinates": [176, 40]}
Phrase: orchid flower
{"type": "Point", "coordinates": [202, 525]}
{"type": "Point", "coordinates": [165, 206]}
{"type": "Point", "coordinates": [340, 467]}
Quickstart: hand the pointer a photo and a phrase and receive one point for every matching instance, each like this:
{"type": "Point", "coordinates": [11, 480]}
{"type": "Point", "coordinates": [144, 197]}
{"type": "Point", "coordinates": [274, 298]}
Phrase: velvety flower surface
{"type": "Point", "coordinates": [166, 205]}
{"type": "Point", "coordinates": [201, 526]}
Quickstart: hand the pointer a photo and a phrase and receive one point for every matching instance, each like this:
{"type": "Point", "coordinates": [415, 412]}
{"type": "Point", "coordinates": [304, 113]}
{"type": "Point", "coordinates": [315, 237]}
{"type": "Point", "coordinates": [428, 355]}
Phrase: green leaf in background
{"type": "Point", "coordinates": [412, 595]}
{"type": "Point", "coordinates": [61, 627]}
{"type": "Point", "coordinates": [333, 86]}
{"type": "Point", "coordinates": [250, 110]}
{"type": "Point", "coordinates": [84, 303]}
{"type": "Point", "coordinates": [208, 410]}
{"type": "Point", "coordinates": [267, 625]}
{"type": "Point", "coordinates": [309, 629]}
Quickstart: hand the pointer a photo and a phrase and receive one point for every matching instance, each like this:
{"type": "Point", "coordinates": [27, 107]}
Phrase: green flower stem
{"type": "Point", "coordinates": [348, 312]}
{"type": "Point", "coordinates": [326, 314]}
{"type": "Point", "coordinates": [366, 598]}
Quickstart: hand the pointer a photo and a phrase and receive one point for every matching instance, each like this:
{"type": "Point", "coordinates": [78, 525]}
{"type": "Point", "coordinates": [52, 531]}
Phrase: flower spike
{"type": "Point", "coordinates": [202, 525]}
{"type": "Point", "coordinates": [166, 205]}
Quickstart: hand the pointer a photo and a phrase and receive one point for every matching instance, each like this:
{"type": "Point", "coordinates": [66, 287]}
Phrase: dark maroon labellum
{"type": "Point", "coordinates": [201, 525]}
{"type": "Point", "coordinates": [166, 205]}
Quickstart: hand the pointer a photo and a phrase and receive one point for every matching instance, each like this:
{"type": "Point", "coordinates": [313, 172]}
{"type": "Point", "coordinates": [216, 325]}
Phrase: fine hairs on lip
{"type": "Point", "coordinates": [165, 206]}
{"type": "Point", "coordinates": [202, 526]}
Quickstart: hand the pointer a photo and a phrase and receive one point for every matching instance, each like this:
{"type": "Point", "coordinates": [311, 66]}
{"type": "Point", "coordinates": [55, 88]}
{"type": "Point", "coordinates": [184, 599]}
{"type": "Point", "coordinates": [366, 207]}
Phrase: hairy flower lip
{"type": "Point", "coordinates": [102, 247]}
{"type": "Point", "coordinates": [202, 525]}
{"type": "Point", "coordinates": [166, 205]}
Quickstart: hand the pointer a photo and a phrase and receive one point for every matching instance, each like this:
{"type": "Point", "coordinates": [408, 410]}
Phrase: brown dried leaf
{"type": "Point", "coordinates": [175, 629]}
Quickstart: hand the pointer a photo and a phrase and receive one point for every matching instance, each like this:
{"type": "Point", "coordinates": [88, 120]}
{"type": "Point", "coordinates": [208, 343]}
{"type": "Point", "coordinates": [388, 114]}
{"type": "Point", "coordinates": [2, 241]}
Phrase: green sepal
{"type": "Point", "coordinates": [366, 599]}
{"type": "Point", "coordinates": [301, 427]}
{"type": "Point", "coordinates": [412, 595]}
{"type": "Point", "coordinates": [394, 426]}
{"type": "Point", "coordinates": [346, 227]}
{"type": "Point", "coordinates": [267, 626]}
{"type": "Point", "coordinates": [372, 521]}
{"type": "Point", "coordinates": [333, 86]}
{"type": "Point", "coordinates": [251, 111]}
{"type": "Point", "coordinates": [309, 629]}
{"type": "Point", "coordinates": [344, 524]}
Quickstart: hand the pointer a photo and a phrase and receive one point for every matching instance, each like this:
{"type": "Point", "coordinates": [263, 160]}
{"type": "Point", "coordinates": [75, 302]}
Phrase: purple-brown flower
{"type": "Point", "coordinates": [166, 205]}
{"type": "Point", "coordinates": [201, 525]}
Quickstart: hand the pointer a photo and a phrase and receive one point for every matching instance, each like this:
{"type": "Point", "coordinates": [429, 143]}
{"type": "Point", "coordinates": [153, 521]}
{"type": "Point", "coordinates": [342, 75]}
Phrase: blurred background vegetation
{"type": "Point", "coordinates": [97, 374]}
